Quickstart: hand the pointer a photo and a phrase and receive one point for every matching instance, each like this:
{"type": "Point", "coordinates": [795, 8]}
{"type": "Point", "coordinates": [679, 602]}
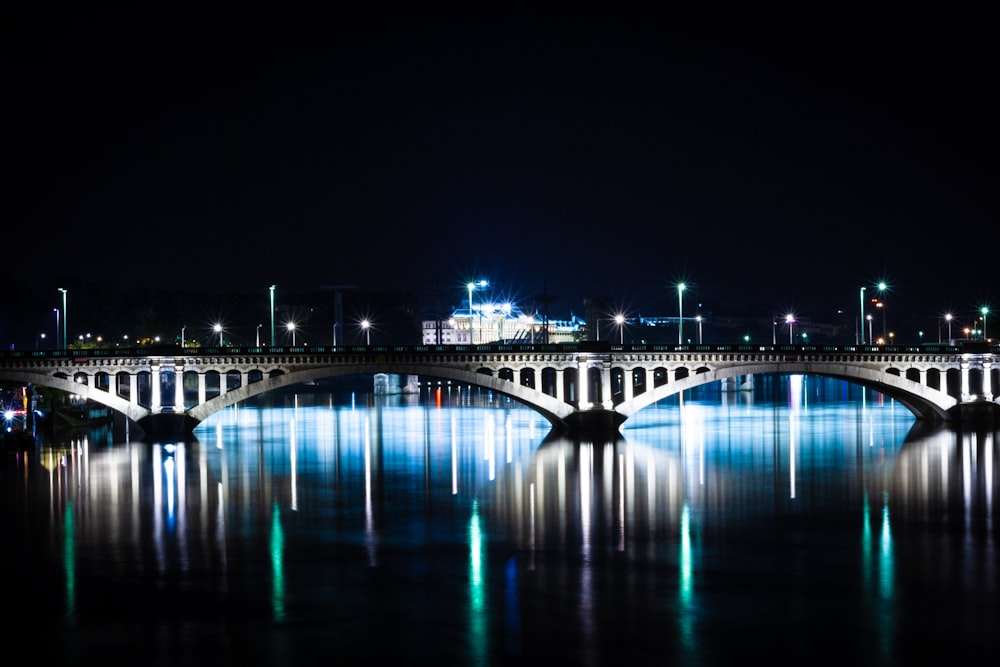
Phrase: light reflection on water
{"type": "Point", "coordinates": [807, 519]}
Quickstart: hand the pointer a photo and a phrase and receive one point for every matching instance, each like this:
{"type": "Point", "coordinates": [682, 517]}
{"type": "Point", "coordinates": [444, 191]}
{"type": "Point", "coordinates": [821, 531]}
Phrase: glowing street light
{"type": "Point", "coordinates": [258, 334]}
{"type": "Point", "coordinates": [472, 286]}
{"type": "Point", "coordinates": [65, 317]}
{"type": "Point", "coordinates": [620, 320]}
{"type": "Point", "coordinates": [680, 313]}
{"type": "Point", "coordinates": [56, 311]}
{"type": "Point", "coordinates": [870, 337]}
{"type": "Point", "coordinates": [863, 317]}
{"type": "Point", "coordinates": [183, 327]}
{"type": "Point", "coordinates": [698, 320]}
{"type": "Point", "coordinates": [984, 310]}
{"type": "Point", "coordinates": [218, 329]}
{"type": "Point", "coordinates": [366, 326]}
{"type": "Point", "coordinates": [789, 320]}
{"type": "Point", "coordinates": [882, 287]}
{"type": "Point", "coordinates": [291, 327]}
{"type": "Point", "coordinates": [271, 289]}
{"type": "Point", "coordinates": [947, 318]}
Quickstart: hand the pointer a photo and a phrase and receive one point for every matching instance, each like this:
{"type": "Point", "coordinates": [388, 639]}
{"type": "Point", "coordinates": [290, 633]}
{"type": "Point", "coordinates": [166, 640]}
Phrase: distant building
{"type": "Point", "coordinates": [490, 322]}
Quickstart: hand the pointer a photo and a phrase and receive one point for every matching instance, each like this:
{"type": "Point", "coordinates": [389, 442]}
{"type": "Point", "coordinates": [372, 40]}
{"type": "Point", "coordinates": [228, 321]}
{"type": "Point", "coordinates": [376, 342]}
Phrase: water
{"type": "Point", "coordinates": [809, 520]}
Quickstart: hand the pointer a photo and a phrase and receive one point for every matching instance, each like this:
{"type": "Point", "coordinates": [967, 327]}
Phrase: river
{"type": "Point", "coordinates": [805, 520]}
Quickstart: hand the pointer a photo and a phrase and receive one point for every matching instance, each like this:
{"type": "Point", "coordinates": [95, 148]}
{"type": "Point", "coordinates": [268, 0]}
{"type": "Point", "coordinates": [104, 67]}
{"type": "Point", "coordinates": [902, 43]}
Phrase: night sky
{"type": "Point", "coordinates": [775, 160]}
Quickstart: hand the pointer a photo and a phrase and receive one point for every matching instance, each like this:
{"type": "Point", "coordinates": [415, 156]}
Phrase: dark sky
{"type": "Point", "coordinates": [773, 160]}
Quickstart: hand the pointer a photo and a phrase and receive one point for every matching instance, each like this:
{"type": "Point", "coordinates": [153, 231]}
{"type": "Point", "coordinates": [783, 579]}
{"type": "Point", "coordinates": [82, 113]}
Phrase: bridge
{"type": "Point", "coordinates": [577, 387]}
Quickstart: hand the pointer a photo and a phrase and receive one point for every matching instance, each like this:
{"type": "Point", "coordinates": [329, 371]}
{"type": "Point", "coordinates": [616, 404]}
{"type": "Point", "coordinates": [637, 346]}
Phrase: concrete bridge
{"type": "Point", "coordinates": [578, 387]}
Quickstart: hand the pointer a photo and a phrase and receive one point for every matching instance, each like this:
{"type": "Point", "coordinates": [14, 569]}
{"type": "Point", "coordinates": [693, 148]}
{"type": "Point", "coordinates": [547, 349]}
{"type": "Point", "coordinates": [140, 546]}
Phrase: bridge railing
{"type": "Point", "coordinates": [971, 347]}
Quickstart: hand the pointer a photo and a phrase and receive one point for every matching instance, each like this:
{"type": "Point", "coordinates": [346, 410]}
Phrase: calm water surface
{"type": "Point", "coordinates": [808, 520]}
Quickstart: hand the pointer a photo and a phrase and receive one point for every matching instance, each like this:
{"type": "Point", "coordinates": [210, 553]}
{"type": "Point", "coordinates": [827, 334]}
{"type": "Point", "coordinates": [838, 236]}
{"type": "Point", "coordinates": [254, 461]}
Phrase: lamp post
{"type": "Point", "coordinates": [680, 313]}
{"type": "Point", "coordinates": [869, 318]}
{"type": "Point", "coordinates": [698, 320]}
{"type": "Point", "coordinates": [471, 287]}
{"type": "Point", "coordinates": [271, 289]}
{"type": "Point", "coordinates": [774, 331]}
{"type": "Point", "coordinates": [258, 335]}
{"type": "Point", "coordinates": [218, 329]}
{"type": "Point", "coordinates": [863, 317]}
{"type": "Point", "coordinates": [789, 320]}
{"type": "Point", "coordinates": [947, 318]}
{"type": "Point", "coordinates": [366, 326]}
{"type": "Point", "coordinates": [183, 327]}
{"type": "Point", "coordinates": [620, 320]}
{"type": "Point", "coordinates": [42, 336]}
{"type": "Point", "coordinates": [56, 311]}
{"type": "Point", "coordinates": [882, 287]}
{"type": "Point", "coordinates": [65, 317]}
{"type": "Point", "coordinates": [984, 310]}
{"type": "Point", "coordinates": [291, 327]}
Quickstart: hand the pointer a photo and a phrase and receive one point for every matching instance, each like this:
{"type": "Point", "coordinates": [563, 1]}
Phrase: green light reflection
{"type": "Point", "coordinates": [277, 565]}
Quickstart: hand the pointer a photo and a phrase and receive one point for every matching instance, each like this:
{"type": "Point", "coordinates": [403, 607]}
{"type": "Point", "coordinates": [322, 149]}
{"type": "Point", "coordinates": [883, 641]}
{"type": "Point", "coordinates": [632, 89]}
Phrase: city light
{"type": "Point", "coordinates": [680, 313]}
{"type": "Point", "coordinates": [882, 287]}
{"type": "Point", "coordinates": [366, 327]}
{"type": "Point", "coordinates": [65, 318]}
{"type": "Point", "coordinates": [862, 320]}
{"type": "Point", "coordinates": [271, 289]}
{"type": "Point", "coordinates": [218, 329]}
{"type": "Point", "coordinates": [620, 321]}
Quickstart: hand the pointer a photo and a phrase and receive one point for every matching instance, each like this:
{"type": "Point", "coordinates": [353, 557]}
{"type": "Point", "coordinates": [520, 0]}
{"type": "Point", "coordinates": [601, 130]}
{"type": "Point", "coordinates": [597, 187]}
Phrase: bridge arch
{"type": "Point", "coordinates": [554, 410]}
{"type": "Point", "coordinates": [924, 402]}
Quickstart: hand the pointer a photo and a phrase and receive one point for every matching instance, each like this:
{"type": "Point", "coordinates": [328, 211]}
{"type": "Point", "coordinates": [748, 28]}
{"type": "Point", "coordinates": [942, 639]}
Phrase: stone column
{"type": "Point", "coordinates": [605, 397]}
{"type": "Point", "coordinates": [155, 406]}
{"type": "Point", "coordinates": [987, 381]}
{"type": "Point", "coordinates": [965, 380]}
{"type": "Point", "coordinates": [179, 386]}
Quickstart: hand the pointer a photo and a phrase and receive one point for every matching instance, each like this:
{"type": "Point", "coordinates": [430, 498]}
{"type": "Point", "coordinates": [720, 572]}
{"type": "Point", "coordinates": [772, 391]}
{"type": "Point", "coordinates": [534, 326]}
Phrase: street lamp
{"type": "Point", "coordinates": [863, 317]}
{"type": "Point", "coordinates": [882, 287]}
{"type": "Point", "coordinates": [680, 313]}
{"type": "Point", "coordinates": [56, 311]}
{"type": "Point", "coordinates": [698, 320]}
{"type": "Point", "coordinates": [42, 335]}
{"type": "Point", "coordinates": [183, 327]}
{"type": "Point", "coordinates": [774, 331]}
{"type": "Point", "coordinates": [291, 327]}
{"type": "Point", "coordinates": [258, 334]}
{"type": "Point", "coordinates": [366, 326]}
{"type": "Point", "coordinates": [789, 320]}
{"type": "Point", "coordinates": [271, 289]}
{"type": "Point", "coordinates": [472, 286]}
{"type": "Point", "coordinates": [65, 317]}
{"type": "Point", "coordinates": [620, 319]}
{"type": "Point", "coordinates": [984, 310]}
{"type": "Point", "coordinates": [869, 317]}
{"type": "Point", "coordinates": [218, 329]}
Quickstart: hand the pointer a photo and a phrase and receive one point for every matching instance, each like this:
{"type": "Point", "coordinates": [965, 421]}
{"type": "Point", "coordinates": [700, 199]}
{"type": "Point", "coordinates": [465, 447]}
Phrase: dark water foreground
{"type": "Point", "coordinates": [806, 522]}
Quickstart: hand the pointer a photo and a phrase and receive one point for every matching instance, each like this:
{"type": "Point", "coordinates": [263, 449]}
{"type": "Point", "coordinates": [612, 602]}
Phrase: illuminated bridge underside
{"type": "Point", "coordinates": [934, 386]}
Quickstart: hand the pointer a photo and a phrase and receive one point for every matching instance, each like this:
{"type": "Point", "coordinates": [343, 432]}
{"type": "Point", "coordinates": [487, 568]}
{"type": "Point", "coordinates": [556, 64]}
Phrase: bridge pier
{"type": "Point", "coordinates": [597, 422]}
